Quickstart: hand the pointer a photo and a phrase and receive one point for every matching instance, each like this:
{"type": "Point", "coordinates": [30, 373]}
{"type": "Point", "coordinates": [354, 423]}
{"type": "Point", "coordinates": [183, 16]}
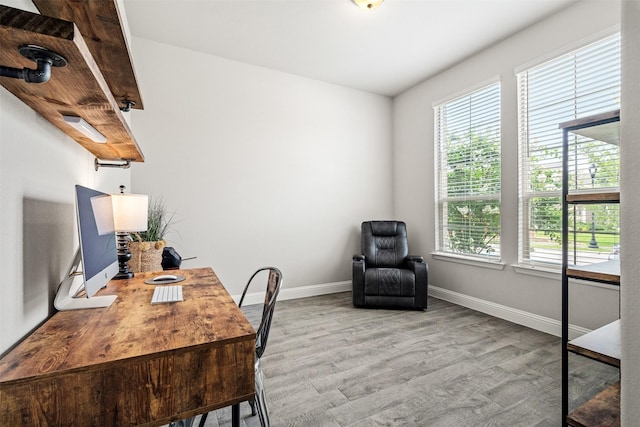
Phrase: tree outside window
{"type": "Point", "coordinates": [468, 174]}
{"type": "Point", "coordinates": [578, 84]}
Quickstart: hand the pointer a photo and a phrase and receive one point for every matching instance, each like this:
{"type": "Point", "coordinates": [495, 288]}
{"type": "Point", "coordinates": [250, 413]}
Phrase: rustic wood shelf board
{"type": "Point", "coordinates": [578, 273]}
{"type": "Point", "coordinates": [101, 26]}
{"type": "Point", "coordinates": [607, 197]}
{"type": "Point", "coordinates": [602, 344]}
{"type": "Point", "coordinates": [601, 411]}
{"type": "Point", "coordinates": [78, 89]}
{"type": "Point", "coordinates": [607, 271]}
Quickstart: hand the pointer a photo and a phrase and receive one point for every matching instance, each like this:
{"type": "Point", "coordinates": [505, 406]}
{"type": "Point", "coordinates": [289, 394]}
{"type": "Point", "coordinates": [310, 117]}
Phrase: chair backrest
{"type": "Point", "coordinates": [274, 281]}
{"type": "Point", "coordinates": [384, 243]}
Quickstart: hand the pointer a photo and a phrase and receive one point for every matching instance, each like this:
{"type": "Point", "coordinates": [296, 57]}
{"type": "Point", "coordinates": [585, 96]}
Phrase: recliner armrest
{"type": "Point", "coordinates": [357, 282]}
{"type": "Point", "coordinates": [415, 258]}
{"type": "Point", "coordinates": [421, 270]}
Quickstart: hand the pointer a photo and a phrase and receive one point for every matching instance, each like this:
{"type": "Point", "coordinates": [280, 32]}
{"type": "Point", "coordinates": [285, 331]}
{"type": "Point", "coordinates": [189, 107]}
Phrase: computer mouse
{"type": "Point", "coordinates": [165, 278]}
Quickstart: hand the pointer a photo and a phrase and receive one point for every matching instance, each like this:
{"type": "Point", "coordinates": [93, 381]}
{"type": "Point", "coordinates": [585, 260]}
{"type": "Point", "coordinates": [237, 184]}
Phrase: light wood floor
{"type": "Point", "coordinates": [329, 364]}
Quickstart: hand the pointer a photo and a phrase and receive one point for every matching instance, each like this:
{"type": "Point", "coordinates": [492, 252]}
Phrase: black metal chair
{"type": "Point", "coordinates": [385, 275]}
{"type": "Point", "coordinates": [274, 281]}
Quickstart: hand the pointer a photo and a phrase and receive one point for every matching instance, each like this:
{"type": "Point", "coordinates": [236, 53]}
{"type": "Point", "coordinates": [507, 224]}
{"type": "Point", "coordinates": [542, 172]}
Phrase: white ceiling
{"type": "Point", "coordinates": [384, 51]}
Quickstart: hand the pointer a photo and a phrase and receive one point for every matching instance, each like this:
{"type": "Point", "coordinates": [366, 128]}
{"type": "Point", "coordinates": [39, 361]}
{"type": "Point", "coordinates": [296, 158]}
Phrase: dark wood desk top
{"type": "Point", "coordinates": [132, 333]}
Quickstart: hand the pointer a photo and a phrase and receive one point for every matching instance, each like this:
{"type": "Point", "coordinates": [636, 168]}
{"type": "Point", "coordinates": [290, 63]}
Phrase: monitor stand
{"type": "Point", "coordinates": [66, 298]}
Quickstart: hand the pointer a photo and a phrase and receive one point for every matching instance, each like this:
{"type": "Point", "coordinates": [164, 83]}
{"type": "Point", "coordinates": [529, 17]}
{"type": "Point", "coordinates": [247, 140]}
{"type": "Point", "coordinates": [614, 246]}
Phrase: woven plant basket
{"type": "Point", "coordinates": [146, 256]}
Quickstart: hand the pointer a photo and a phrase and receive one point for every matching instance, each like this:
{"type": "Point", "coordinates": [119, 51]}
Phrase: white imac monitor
{"type": "Point", "coordinates": [96, 257]}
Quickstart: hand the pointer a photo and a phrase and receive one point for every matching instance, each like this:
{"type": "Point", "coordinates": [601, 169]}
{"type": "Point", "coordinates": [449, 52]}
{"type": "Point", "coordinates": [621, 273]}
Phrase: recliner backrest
{"type": "Point", "coordinates": [384, 243]}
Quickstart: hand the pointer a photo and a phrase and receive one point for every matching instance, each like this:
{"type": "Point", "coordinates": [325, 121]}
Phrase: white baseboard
{"type": "Point", "coordinates": [298, 292]}
{"type": "Point", "coordinates": [530, 320]}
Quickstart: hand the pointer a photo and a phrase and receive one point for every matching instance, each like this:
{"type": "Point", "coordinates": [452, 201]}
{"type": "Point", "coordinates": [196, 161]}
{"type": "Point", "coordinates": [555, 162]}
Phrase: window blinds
{"type": "Point", "coordinates": [579, 84]}
{"type": "Point", "coordinates": [467, 135]}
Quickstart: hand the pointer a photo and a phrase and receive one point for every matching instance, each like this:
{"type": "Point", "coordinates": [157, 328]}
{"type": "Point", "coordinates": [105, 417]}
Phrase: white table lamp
{"type": "Point", "coordinates": [129, 215]}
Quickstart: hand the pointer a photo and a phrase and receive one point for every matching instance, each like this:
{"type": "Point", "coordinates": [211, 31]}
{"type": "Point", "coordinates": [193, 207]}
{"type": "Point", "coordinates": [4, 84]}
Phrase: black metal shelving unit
{"type": "Point", "coordinates": [602, 344]}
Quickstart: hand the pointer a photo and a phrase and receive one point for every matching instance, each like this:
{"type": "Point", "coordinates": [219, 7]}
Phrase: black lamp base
{"type": "Point", "coordinates": [123, 275]}
{"type": "Point", "coordinates": [123, 257]}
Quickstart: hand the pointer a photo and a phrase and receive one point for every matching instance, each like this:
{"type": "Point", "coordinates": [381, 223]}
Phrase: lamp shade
{"type": "Point", "coordinates": [120, 212]}
{"type": "Point", "coordinates": [103, 214]}
{"type": "Point", "coordinates": [130, 212]}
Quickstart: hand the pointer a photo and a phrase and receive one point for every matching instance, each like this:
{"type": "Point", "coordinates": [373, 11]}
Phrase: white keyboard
{"type": "Point", "coordinates": [162, 294]}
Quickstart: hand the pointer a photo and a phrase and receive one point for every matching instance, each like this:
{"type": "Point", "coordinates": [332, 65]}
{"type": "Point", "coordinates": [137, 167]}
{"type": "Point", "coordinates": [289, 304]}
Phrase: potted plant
{"type": "Point", "coordinates": [146, 246]}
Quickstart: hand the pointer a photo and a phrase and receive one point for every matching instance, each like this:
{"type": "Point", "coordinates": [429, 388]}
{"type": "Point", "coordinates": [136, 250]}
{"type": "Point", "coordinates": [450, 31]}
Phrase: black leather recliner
{"type": "Point", "coordinates": [385, 275]}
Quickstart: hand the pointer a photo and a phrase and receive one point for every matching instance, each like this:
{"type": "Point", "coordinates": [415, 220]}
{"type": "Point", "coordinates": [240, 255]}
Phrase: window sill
{"type": "Point", "coordinates": [545, 272]}
{"type": "Point", "coordinates": [461, 259]}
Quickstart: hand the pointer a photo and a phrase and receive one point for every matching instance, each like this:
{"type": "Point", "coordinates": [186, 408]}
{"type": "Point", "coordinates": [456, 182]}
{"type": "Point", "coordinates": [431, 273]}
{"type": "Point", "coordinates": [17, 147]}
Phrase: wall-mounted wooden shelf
{"type": "Point", "coordinates": [100, 24]}
{"type": "Point", "coordinates": [79, 89]}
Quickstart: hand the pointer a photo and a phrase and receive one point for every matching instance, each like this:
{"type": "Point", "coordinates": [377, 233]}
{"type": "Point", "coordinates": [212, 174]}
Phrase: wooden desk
{"type": "Point", "coordinates": [133, 363]}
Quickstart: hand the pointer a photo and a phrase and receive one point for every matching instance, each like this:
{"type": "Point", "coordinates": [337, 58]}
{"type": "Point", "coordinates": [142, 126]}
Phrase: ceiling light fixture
{"type": "Point", "coordinates": [85, 128]}
{"type": "Point", "coordinates": [368, 4]}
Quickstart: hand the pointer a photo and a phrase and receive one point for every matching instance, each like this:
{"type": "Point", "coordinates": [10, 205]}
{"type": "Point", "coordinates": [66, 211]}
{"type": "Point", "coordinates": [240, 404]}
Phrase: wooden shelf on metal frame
{"type": "Point", "coordinates": [603, 410]}
{"type": "Point", "coordinates": [602, 344]}
{"type": "Point", "coordinates": [606, 271]}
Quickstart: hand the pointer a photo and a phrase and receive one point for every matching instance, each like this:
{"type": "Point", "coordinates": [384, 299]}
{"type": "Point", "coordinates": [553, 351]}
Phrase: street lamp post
{"type": "Point", "coordinates": [593, 244]}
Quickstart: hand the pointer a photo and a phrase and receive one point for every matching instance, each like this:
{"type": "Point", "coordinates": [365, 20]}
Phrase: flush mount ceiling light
{"type": "Point", "coordinates": [368, 4]}
{"type": "Point", "coordinates": [85, 128]}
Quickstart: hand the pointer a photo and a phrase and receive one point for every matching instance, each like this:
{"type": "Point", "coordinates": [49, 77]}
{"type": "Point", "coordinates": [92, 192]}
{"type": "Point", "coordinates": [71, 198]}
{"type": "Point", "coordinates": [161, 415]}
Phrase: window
{"type": "Point", "coordinates": [467, 143]}
{"type": "Point", "coordinates": [581, 83]}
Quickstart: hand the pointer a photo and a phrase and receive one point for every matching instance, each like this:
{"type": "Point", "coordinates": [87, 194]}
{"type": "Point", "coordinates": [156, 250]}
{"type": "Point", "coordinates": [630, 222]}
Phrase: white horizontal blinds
{"type": "Point", "coordinates": [594, 233]}
{"type": "Point", "coordinates": [594, 159]}
{"type": "Point", "coordinates": [579, 84]}
{"type": "Point", "coordinates": [467, 132]}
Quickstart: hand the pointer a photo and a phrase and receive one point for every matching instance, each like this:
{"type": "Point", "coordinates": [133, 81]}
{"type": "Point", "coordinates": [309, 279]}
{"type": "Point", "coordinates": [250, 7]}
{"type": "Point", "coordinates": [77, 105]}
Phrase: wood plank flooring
{"type": "Point", "coordinates": [329, 364]}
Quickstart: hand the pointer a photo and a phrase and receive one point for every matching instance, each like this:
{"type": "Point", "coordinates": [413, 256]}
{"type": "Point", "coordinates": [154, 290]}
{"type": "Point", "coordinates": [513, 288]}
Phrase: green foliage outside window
{"type": "Point", "coordinates": [473, 221]}
{"type": "Point", "coordinates": [546, 212]}
{"type": "Point", "coordinates": [474, 226]}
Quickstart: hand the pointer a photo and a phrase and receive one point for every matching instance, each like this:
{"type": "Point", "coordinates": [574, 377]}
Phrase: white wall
{"type": "Point", "coordinates": [39, 166]}
{"type": "Point", "coordinates": [261, 167]}
{"type": "Point", "coordinates": [629, 208]}
{"type": "Point", "coordinates": [414, 177]}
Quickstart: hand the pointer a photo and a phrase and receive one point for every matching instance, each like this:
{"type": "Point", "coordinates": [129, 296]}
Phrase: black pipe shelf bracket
{"type": "Point", "coordinates": [128, 104]}
{"type": "Point", "coordinates": [44, 59]}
